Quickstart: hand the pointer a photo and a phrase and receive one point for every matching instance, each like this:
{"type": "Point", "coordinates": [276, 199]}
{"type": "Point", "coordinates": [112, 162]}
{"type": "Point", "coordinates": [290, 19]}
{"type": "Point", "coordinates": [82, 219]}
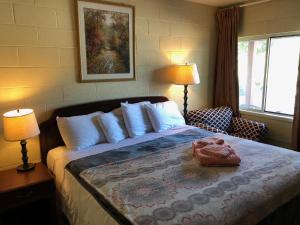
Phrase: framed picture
{"type": "Point", "coordinates": [106, 41]}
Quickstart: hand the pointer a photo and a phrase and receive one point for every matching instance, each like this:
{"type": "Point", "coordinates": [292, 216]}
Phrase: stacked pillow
{"type": "Point", "coordinates": [79, 132]}
{"type": "Point", "coordinates": [113, 126]}
{"type": "Point", "coordinates": [136, 118]}
{"type": "Point", "coordinates": [131, 120]}
{"type": "Point", "coordinates": [164, 115]}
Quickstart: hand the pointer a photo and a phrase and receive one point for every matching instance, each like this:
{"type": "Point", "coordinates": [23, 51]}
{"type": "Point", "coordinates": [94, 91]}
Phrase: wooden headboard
{"type": "Point", "coordinates": [50, 136]}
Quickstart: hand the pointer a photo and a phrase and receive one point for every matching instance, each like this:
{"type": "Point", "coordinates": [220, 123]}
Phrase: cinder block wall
{"type": "Point", "coordinates": [39, 60]}
{"type": "Point", "coordinates": [275, 17]}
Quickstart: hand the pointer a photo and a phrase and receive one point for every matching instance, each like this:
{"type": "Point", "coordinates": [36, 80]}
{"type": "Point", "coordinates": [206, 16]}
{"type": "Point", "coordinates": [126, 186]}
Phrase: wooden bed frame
{"type": "Point", "coordinates": [50, 136]}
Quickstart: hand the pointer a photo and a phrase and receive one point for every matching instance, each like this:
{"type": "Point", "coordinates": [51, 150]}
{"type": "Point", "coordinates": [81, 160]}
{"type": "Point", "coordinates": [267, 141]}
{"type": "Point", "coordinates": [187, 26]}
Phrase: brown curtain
{"type": "Point", "coordinates": [226, 85]}
{"type": "Point", "coordinates": [296, 123]}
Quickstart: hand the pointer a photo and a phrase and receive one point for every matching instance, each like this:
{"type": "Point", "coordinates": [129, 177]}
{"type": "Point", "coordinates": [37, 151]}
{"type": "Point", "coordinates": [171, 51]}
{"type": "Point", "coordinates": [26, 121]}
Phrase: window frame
{"type": "Point", "coordinates": [268, 38]}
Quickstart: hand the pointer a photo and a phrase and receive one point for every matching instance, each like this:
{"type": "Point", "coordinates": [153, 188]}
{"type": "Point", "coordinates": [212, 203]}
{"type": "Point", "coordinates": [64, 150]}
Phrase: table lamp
{"type": "Point", "coordinates": [186, 74]}
{"type": "Point", "coordinates": [20, 125]}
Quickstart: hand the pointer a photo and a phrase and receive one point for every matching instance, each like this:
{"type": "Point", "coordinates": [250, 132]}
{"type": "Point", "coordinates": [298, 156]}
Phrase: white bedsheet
{"type": "Point", "coordinates": [78, 204]}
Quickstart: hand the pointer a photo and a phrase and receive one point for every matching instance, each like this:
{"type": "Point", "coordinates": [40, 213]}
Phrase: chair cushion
{"type": "Point", "coordinates": [248, 129]}
{"type": "Point", "coordinates": [219, 118]}
{"type": "Point", "coordinates": [208, 128]}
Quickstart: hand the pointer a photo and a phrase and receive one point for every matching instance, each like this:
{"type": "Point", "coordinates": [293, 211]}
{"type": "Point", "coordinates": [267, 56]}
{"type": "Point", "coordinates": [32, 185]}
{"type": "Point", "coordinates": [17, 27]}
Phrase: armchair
{"type": "Point", "coordinates": [221, 120]}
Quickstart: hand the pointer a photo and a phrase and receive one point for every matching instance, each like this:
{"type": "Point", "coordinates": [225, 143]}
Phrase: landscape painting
{"type": "Point", "coordinates": [106, 41]}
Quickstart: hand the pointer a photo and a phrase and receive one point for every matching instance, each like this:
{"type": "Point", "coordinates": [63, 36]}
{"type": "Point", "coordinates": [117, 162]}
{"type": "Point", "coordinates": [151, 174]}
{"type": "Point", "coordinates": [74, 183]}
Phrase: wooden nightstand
{"type": "Point", "coordinates": [27, 197]}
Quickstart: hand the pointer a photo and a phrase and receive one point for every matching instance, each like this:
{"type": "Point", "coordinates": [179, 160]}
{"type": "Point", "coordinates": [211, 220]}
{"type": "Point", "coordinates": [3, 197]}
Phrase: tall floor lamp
{"type": "Point", "coordinates": [186, 74]}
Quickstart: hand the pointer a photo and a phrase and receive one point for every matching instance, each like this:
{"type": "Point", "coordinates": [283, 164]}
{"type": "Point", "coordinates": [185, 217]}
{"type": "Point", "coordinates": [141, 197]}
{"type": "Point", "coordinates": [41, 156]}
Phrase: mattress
{"type": "Point", "coordinates": [114, 183]}
{"type": "Point", "coordinates": [77, 203]}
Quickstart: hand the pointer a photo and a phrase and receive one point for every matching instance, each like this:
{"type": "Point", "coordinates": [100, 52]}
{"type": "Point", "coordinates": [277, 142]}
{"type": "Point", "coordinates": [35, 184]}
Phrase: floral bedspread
{"type": "Point", "coordinates": [159, 182]}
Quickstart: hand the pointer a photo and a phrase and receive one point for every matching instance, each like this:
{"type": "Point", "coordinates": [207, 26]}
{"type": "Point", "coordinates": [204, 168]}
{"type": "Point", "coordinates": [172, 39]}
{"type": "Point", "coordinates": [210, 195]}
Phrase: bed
{"type": "Point", "coordinates": [154, 179]}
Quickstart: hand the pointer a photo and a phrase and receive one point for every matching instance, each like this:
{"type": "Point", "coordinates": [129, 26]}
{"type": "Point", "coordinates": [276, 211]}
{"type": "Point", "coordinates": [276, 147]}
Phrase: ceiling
{"type": "Point", "coordinates": [220, 3]}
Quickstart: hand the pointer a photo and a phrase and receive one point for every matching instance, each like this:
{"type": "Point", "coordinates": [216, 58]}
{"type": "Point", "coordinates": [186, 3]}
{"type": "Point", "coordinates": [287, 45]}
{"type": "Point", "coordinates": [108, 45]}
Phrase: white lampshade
{"type": "Point", "coordinates": [186, 74]}
{"type": "Point", "coordinates": [20, 125]}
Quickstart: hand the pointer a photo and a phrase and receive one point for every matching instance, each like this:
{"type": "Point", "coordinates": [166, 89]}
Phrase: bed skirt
{"type": "Point", "coordinates": [288, 214]}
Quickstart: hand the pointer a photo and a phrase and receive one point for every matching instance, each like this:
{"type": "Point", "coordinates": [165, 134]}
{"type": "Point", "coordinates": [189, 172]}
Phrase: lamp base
{"type": "Point", "coordinates": [185, 103]}
{"type": "Point", "coordinates": [26, 167]}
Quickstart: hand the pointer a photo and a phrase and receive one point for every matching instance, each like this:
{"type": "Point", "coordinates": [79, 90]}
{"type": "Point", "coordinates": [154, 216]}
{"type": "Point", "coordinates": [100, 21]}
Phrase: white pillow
{"type": "Point", "coordinates": [113, 125]}
{"type": "Point", "coordinates": [164, 115]}
{"type": "Point", "coordinates": [79, 132]}
{"type": "Point", "coordinates": [136, 118]}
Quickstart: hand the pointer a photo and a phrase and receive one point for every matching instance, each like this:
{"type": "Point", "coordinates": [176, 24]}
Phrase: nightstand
{"type": "Point", "coordinates": [27, 197]}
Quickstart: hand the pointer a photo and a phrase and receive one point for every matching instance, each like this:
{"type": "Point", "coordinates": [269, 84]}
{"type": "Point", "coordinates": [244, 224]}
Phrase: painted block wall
{"type": "Point", "coordinates": [275, 17]}
{"type": "Point", "coordinates": [39, 59]}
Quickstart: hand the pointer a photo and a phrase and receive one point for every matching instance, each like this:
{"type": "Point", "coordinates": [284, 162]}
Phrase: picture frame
{"type": "Point", "coordinates": [106, 41]}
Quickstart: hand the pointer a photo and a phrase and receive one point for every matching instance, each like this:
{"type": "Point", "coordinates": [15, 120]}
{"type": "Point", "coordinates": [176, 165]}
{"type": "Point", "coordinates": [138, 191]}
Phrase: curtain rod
{"type": "Point", "coordinates": [253, 3]}
{"type": "Point", "coordinates": [247, 4]}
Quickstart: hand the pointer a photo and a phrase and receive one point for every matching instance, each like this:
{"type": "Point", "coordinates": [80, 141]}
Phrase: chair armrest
{"type": "Point", "coordinates": [219, 118]}
{"type": "Point", "coordinates": [248, 129]}
{"type": "Point", "coordinates": [208, 128]}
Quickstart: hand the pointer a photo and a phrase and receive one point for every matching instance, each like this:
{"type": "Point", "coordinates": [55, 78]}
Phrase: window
{"type": "Point", "coordinates": [268, 71]}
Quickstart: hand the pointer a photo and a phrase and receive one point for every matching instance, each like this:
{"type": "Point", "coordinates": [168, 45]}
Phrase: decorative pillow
{"type": "Point", "coordinates": [220, 117]}
{"type": "Point", "coordinates": [136, 118]}
{"type": "Point", "coordinates": [164, 115]}
{"type": "Point", "coordinates": [113, 125]}
{"type": "Point", "coordinates": [79, 132]}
